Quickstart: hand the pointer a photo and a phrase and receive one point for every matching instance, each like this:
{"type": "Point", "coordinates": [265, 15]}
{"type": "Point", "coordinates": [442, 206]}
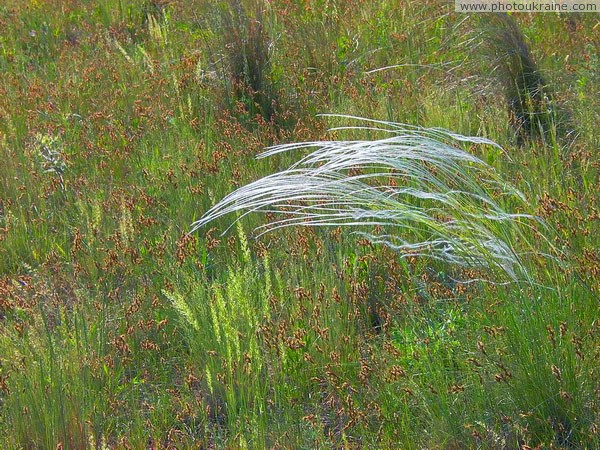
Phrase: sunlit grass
{"type": "Point", "coordinates": [119, 329]}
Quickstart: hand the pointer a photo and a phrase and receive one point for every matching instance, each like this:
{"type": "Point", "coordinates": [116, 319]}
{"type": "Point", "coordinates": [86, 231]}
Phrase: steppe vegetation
{"type": "Point", "coordinates": [123, 123]}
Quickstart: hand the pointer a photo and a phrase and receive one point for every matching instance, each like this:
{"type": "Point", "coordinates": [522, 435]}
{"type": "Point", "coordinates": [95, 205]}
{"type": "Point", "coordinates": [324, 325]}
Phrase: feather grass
{"type": "Point", "coordinates": [431, 197]}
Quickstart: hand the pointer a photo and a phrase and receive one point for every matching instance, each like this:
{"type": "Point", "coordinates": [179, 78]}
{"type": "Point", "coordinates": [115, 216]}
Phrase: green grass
{"type": "Point", "coordinates": [122, 123]}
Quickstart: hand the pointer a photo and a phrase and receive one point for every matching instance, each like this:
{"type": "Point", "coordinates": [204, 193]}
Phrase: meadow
{"type": "Point", "coordinates": [123, 123]}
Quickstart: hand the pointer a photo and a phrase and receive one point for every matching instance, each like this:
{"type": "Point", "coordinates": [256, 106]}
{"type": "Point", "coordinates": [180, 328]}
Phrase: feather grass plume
{"type": "Point", "coordinates": [427, 195]}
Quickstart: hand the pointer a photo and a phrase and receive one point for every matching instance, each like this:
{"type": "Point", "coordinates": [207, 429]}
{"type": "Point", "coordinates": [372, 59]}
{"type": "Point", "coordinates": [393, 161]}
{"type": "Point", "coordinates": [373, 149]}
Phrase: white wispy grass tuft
{"type": "Point", "coordinates": [429, 196]}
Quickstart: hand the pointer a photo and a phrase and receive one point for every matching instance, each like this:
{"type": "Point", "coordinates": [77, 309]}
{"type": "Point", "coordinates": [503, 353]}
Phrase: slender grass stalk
{"type": "Point", "coordinates": [430, 197]}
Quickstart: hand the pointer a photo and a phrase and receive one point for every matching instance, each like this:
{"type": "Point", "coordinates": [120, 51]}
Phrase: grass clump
{"type": "Point", "coordinates": [246, 60]}
{"type": "Point", "coordinates": [533, 109]}
{"type": "Point", "coordinates": [221, 321]}
{"type": "Point", "coordinates": [54, 358]}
